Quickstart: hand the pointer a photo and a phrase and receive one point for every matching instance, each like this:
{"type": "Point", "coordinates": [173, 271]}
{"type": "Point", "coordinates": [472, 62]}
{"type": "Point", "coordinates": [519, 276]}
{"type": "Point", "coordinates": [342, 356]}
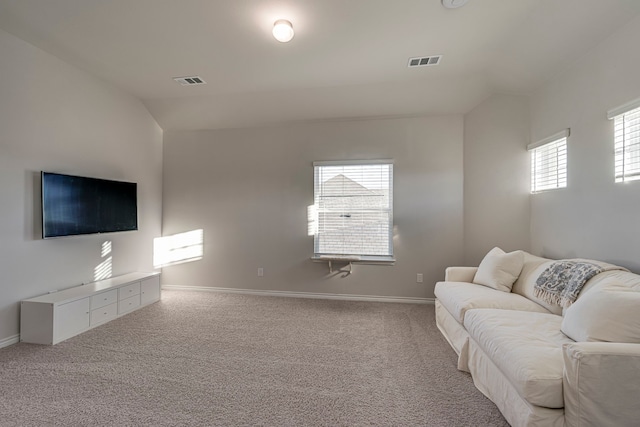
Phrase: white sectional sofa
{"type": "Point", "coordinates": [540, 363]}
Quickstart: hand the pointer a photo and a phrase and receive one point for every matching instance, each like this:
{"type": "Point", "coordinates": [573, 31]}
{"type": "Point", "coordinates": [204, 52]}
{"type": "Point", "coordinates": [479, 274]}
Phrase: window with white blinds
{"type": "Point", "coordinates": [353, 208]}
{"type": "Point", "coordinates": [549, 163]}
{"type": "Point", "coordinates": [627, 145]}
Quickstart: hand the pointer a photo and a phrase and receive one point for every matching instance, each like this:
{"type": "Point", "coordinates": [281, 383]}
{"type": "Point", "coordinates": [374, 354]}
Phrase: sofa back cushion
{"type": "Point", "coordinates": [611, 277]}
{"type": "Point", "coordinates": [608, 311]}
{"type": "Point", "coordinates": [532, 268]}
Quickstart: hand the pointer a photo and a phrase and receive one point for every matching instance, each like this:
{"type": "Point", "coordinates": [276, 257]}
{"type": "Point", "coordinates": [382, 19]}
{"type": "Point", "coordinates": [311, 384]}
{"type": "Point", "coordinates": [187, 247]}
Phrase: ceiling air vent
{"type": "Point", "coordinates": [425, 61]}
{"type": "Point", "coordinates": [190, 81]}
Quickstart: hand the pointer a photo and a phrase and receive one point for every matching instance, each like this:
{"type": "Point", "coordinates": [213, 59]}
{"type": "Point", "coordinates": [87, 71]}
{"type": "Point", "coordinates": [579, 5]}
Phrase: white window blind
{"type": "Point", "coordinates": [549, 163]}
{"type": "Point", "coordinates": [353, 208]}
{"type": "Point", "coordinates": [627, 145]}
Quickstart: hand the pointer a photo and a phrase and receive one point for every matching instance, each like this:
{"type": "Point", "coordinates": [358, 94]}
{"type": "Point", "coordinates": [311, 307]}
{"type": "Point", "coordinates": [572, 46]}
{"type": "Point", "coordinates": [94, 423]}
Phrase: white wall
{"type": "Point", "coordinates": [57, 118]}
{"type": "Point", "coordinates": [496, 177]}
{"type": "Point", "coordinates": [593, 217]}
{"type": "Point", "coordinates": [249, 190]}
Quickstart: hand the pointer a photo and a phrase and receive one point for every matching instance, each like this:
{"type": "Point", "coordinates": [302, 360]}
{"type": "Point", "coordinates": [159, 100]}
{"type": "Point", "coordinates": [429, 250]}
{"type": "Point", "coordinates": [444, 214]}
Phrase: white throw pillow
{"type": "Point", "coordinates": [499, 270]}
{"type": "Point", "coordinates": [610, 314]}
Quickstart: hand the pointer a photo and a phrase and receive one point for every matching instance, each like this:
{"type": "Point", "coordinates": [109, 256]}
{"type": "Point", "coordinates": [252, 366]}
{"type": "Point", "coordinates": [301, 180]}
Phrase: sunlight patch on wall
{"type": "Point", "coordinates": [106, 248]}
{"type": "Point", "coordinates": [312, 220]}
{"type": "Point", "coordinates": [178, 248]}
{"type": "Point", "coordinates": [104, 270]}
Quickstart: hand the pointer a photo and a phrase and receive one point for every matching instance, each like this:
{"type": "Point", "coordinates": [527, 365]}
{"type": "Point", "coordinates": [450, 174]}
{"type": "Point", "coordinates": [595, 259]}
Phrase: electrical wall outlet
{"type": "Point", "coordinates": [419, 278]}
{"type": "Point", "coordinates": [260, 271]}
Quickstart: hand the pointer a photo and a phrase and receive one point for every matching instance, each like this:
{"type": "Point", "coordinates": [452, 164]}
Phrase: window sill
{"type": "Point", "coordinates": [359, 259]}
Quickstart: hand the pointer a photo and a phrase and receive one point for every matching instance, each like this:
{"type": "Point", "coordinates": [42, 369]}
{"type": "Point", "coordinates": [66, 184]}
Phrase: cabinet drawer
{"type": "Point", "coordinates": [104, 299]}
{"type": "Point", "coordinates": [128, 304]}
{"type": "Point", "coordinates": [129, 291]}
{"type": "Point", "coordinates": [104, 314]}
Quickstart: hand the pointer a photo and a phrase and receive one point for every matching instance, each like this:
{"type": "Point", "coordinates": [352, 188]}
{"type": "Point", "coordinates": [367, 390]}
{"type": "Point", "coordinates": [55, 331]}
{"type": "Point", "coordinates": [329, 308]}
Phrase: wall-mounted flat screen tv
{"type": "Point", "coordinates": [73, 205]}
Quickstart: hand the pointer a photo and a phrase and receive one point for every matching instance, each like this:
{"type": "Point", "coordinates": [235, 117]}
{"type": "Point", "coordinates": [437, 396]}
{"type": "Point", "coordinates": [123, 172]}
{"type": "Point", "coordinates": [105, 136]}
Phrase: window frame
{"type": "Point", "coordinates": [314, 210]}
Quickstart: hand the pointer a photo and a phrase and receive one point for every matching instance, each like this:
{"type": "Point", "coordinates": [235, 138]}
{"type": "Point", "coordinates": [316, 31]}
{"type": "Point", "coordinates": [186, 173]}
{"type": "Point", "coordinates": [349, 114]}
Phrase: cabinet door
{"type": "Point", "coordinates": [150, 290]}
{"type": "Point", "coordinates": [71, 319]}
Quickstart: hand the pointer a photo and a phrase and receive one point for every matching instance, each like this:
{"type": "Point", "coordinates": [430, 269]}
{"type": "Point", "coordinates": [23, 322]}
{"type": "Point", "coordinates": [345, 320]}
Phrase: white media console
{"type": "Point", "coordinates": [55, 317]}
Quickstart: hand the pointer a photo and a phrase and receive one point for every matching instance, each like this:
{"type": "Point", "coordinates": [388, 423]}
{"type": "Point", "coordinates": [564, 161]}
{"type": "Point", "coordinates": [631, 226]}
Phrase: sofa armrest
{"type": "Point", "coordinates": [460, 274]}
{"type": "Point", "coordinates": [601, 384]}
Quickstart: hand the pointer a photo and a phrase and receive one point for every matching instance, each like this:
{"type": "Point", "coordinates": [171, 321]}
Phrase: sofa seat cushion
{"type": "Point", "coordinates": [459, 297]}
{"type": "Point", "coordinates": [526, 347]}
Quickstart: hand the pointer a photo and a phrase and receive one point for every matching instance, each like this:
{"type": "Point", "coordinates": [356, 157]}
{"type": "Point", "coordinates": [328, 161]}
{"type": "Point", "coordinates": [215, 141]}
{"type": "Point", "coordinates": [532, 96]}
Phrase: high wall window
{"type": "Point", "coordinates": [549, 162]}
{"type": "Point", "coordinates": [627, 142]}
{"type": "Point", "coordinates": [353, 208]}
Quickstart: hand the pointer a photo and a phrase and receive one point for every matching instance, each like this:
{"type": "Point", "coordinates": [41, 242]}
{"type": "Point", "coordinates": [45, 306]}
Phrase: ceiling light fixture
{"type": "Point", "coordinates": [283, 30]}
{"type": "Point", "coordinates": [454, 4]}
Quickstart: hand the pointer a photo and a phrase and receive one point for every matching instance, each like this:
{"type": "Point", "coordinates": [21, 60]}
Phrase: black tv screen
{"type": "Point", "coordinates": [74, 205]}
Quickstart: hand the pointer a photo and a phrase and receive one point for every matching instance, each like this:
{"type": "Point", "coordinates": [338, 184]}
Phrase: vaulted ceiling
{"type": "Point", "coordinates": [348, 57]}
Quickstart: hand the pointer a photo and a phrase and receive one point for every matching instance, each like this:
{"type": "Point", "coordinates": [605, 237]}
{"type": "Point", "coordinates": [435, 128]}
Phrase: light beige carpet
{"type": "Point", "coordinates": [210, 359]}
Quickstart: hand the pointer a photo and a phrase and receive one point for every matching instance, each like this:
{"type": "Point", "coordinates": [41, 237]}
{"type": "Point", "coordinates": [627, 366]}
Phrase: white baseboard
{"type": "Point", "coordinates": [345, 297]}
{"type": "Point", "coordinates": [13, 339]}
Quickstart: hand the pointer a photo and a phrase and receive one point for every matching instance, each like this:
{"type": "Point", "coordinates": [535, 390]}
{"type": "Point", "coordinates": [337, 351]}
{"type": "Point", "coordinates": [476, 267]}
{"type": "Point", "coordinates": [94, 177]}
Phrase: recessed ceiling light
{"type": "Point", "coordinates": [454, 4]}
{"type": "Point", "coordinates": [283, 30]}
